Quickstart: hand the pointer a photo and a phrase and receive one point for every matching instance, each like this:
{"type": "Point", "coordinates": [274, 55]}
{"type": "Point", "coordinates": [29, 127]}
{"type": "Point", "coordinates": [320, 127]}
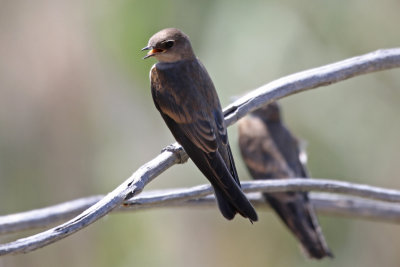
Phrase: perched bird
{"type": "Point", "coordinates": [270, 151]}
{"type": "Point", "coordinates": [185, 96]}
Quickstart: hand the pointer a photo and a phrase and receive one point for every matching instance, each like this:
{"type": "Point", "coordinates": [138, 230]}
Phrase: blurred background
{"type": "Point", "coordinates": [77, 118]}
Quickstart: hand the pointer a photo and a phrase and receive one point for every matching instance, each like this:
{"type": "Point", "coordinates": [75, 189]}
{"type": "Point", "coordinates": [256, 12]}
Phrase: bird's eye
{"type": "Point", "coordinates": [168, 44]}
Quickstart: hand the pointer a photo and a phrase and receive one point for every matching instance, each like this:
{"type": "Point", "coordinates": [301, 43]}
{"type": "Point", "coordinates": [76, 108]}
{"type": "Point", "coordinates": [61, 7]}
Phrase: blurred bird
{"type": "Point", "coordinates": [186, 98]}
{"type": "Point", "coordinates": [270, 151]}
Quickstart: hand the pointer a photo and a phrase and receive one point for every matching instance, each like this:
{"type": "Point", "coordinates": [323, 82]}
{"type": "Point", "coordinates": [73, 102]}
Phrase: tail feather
{"type": "Point", "coordinates": [226, 208]}
{"type": "Point", "coordinates": [228, 192]}
{"type": "Point", "coordinates": [298, 215]}
{"type": "Point", "coordinates": [231, 199]}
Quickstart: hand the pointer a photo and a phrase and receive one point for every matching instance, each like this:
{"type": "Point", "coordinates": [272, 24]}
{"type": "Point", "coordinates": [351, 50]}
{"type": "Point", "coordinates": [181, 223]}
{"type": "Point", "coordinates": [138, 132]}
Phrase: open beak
{"type": "Point", "coordinates": [152, 51]}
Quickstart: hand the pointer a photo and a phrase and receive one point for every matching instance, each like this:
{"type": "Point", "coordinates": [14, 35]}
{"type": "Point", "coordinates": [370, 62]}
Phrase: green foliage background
{"type": "Point", "coordinates": [77, 118]}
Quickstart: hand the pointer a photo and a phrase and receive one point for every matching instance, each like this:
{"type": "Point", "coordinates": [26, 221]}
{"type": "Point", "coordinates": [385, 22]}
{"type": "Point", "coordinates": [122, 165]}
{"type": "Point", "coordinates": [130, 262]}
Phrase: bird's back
{"type": "Point", "coordinates": [187, 100]}
{"type": "Point", "coordinates": [270, 151]}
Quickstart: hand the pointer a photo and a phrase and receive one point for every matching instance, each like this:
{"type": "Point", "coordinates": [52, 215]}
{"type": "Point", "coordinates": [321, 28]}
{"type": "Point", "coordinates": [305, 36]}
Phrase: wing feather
{"type": "Point", "coordinates": [201, 122]}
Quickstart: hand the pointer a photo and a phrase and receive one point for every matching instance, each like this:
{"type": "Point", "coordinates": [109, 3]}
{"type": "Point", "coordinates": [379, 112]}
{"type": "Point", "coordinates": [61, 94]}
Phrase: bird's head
{"type": "Point", "coordinates": [169, 45]}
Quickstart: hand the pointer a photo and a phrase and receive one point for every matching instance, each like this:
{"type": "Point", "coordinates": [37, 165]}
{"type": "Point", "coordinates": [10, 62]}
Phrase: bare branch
{"type": "Point", "coordinates": [354, 207]}
{"type": "Point", "coordinates": [298, 184]}
{"type": "Point", "coordinates": [132, 186]}
{"type": "Point", "coordinates": [376, 61]}
{"type": "Point", "coordinates": [195, 196]}
{"type": "Point", "coordinates": [324, 203]}
{"type": "Point", "coordinates": [40, 218]}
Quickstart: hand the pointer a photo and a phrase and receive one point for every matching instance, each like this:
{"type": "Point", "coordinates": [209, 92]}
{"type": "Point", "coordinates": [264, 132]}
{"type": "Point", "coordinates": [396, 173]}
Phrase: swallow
{"type": "Point", "coordinates": [186, 98]}
{"type": "Point", "coordinates": [270, 151]}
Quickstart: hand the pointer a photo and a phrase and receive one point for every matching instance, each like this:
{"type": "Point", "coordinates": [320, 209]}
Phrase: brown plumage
{"type": "Point", "coordinates": [270, 151]}
{"type": "Point", "coordinates": [187, 101]}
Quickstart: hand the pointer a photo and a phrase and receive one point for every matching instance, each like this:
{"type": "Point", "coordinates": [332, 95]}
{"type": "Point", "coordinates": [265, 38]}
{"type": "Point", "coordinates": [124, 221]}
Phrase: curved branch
{"type": "Point", "coordinates": [376, 61]}
{"type": "Point", "coordinates": [324, 203]}
{"type": "Point", "coordinates": [195, 196]}
{"type": "Point", "coordinates": [132, 186]}
{"type": "Point", "coordinates": [40, 218]}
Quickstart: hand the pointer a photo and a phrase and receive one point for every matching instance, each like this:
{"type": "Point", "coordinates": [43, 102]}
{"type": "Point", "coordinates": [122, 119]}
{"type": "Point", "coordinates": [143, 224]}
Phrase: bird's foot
{"type": "Point", "coordinates": [178, 151]}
